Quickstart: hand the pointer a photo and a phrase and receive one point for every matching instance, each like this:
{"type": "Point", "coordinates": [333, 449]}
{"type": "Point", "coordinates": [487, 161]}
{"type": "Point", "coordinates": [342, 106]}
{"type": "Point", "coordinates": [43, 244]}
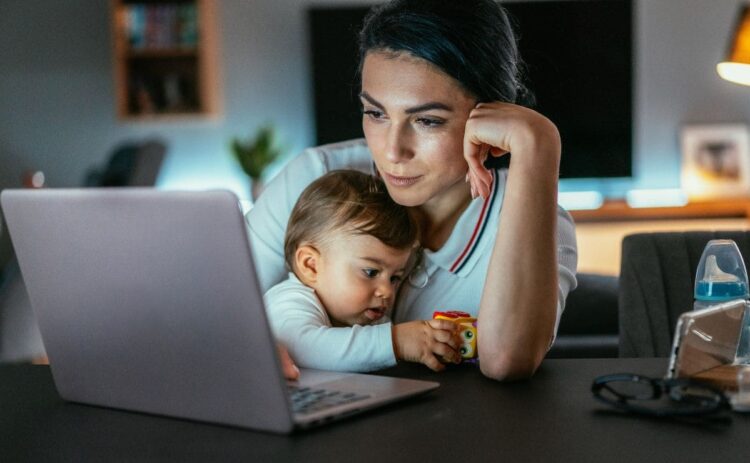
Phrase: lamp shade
{"type": "Point", "coordinates": [736, 67]}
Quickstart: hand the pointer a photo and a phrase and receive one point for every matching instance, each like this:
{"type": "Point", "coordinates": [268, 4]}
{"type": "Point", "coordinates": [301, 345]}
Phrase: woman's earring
{"type": "Point", "coordinates": [419, 277]}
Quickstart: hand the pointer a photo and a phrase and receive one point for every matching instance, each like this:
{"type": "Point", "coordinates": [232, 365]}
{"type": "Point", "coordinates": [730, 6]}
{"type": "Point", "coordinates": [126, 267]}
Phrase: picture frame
{"type": "Point", "coordinates": [715, 161]}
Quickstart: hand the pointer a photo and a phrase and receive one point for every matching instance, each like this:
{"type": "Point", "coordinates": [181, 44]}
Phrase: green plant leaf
{"type": "Point", "coordinates": [255, 154]}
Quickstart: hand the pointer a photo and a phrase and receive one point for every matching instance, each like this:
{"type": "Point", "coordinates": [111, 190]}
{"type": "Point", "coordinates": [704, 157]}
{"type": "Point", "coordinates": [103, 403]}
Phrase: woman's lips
{"type": "Point", "coordinates": [397, 180]}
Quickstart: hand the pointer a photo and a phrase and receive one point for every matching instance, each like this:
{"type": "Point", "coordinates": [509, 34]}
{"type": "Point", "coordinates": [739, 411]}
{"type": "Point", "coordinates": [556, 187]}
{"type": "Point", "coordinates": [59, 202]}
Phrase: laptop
{"type": "Point", "coordinates": [148, 301]}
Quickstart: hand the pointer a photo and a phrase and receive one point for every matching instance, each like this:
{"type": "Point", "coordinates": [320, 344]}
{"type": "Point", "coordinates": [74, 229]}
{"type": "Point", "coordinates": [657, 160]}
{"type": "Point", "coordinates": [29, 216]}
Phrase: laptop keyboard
{"type": "Point", "coordinates": [307, 400]}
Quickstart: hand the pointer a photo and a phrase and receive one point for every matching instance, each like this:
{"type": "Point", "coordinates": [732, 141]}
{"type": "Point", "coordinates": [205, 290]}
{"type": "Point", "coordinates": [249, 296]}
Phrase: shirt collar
{"type": "Point", "coordinates": [459, 254]}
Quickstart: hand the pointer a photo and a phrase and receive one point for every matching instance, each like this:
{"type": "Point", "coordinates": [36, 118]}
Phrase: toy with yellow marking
{"type": "Point", "coordinates": [468, 324]}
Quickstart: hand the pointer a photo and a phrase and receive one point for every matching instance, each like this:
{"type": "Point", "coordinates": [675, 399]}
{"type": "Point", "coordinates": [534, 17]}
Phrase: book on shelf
{"type": "Point", "coordinates": [171, 92]}
{"type": "Point", "coordinates": [159, 27]}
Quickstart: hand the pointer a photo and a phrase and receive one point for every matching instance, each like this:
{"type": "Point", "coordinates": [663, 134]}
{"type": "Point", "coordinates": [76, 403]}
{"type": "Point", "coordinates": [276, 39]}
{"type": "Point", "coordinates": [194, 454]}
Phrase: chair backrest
{"type": "Point", "coordinates": [656, 285]}
{"type": "Point", "coordinates": [131, 164]}
{"type": "Point", "coordinates": [148, 163]}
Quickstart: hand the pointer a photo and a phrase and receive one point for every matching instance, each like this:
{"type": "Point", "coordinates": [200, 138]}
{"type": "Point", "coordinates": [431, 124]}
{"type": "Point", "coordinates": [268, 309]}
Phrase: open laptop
{"type": "Point", "coordinates": [148, 301]}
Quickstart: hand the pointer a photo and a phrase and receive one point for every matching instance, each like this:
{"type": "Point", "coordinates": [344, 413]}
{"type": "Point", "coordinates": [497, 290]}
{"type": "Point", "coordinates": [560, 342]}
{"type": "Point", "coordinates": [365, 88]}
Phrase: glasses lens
{"type": "Point", "coordinates": [695, 396]}
{"type": "Point", "coordinates": [628, 389]}
{"type": "Point", "coordinates": [643, 395]}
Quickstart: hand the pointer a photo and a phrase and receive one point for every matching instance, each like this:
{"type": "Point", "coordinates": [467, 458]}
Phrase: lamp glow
{"type": "Point", "coordinates": [736, 67]}
{"type": "Point", "coordinates": [734, 72]}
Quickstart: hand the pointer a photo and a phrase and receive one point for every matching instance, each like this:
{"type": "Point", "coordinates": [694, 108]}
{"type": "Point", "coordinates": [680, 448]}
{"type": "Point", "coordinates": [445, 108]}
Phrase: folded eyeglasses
{"type": "Point", "coordinates": [659, 397]}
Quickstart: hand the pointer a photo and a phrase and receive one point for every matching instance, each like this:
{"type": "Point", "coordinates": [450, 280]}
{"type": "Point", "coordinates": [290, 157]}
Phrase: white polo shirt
{"type": "Point", "coordinates": [451, 278]}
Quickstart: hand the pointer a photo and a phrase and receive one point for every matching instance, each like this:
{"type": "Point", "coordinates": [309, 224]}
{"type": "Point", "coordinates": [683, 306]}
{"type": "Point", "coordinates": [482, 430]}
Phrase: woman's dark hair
{"type": "Point", "coordinates": [470, 40]}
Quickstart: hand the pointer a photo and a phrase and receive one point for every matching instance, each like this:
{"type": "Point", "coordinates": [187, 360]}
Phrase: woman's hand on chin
{"type": "Point", "coordinates": [499, 128]}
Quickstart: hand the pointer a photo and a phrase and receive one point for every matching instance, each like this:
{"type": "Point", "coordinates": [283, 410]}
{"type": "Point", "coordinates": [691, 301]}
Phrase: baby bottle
{"type": "Point", "coordinates": [721, 277]}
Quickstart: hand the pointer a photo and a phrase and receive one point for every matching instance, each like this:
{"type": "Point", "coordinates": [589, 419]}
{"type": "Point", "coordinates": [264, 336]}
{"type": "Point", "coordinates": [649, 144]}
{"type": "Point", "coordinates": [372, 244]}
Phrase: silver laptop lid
{"type": "Point", "coordinates": [121, 329]}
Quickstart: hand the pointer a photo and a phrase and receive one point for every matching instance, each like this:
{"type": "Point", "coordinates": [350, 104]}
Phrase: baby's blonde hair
{"type": "Point", "coordinates": [352, 201]}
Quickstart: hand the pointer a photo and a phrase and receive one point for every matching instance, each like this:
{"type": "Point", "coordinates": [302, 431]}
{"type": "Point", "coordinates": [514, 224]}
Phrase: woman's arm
{"type": "Point", "coordinates": [517, 314]}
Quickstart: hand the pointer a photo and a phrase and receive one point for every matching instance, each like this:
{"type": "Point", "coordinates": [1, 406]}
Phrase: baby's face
{"type": "Point", "coordinates": [358, 277]}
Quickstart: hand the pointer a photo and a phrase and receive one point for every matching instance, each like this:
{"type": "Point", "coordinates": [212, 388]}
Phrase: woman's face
{"type": "Point", "coordinates": [414, 117]}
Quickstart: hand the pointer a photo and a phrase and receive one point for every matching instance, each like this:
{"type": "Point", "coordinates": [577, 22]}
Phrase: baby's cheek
{"type": "Point", "coordinates": [348, 297]}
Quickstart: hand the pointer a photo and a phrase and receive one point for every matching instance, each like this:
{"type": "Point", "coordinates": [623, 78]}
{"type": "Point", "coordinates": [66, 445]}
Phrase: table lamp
{"type": "Point", "coordinates": [736, 67]}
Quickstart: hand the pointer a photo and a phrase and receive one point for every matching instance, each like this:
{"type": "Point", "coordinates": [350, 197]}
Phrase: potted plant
{"type": "Point", "coordinates": [255, 154]}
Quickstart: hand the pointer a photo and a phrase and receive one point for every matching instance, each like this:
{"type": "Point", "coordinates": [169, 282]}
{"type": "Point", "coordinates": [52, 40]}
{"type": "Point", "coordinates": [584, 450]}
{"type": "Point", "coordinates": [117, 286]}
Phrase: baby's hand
{"type": "Point", "coordinates": [427, 342]}
{"type": "Point", "coordinates": [290, 370]}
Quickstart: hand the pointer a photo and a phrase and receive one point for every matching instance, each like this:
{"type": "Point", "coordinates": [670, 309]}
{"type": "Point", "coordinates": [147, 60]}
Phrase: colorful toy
{"type": "Point", "coordinates": [468, 349]}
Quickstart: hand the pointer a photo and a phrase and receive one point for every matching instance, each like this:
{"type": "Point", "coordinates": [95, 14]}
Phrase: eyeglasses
{"type": "Point", "coordinates": [657, 397]}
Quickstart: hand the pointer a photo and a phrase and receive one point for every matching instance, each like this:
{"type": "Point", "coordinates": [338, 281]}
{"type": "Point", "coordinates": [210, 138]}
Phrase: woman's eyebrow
{"type": "Point", "coordinates": [416, 109]}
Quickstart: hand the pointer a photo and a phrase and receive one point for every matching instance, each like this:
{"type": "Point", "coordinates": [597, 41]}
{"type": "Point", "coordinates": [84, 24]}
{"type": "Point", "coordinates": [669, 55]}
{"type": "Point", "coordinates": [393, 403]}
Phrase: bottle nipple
{"type": "Point", "coordinates": [714, 274]}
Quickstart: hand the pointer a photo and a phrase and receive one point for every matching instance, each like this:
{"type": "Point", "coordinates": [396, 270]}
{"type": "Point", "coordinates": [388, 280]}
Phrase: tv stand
{"type": "Point", "coordinates": [600, 231]}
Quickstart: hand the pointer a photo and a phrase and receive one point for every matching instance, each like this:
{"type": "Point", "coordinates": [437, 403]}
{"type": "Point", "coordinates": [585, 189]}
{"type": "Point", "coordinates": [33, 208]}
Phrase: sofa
{"type": "Point", "coordinates": [589, 325]}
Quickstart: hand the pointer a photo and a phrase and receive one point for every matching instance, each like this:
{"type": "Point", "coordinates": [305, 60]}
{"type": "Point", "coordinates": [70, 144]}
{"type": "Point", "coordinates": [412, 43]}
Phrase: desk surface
{"type": "Point", "coordinates": [469, 418]}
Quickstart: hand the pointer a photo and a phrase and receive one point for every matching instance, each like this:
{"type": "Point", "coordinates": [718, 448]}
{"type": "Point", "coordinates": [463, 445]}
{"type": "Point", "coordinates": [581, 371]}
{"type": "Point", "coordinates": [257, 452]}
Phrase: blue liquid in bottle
{"type": "Point", "coordinates": [720, 290]}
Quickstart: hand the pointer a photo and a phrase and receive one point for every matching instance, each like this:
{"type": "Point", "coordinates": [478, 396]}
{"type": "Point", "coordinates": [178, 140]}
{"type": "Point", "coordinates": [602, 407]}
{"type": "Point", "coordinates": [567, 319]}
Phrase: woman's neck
{"type": "Point", "coordinates": [439, 215]}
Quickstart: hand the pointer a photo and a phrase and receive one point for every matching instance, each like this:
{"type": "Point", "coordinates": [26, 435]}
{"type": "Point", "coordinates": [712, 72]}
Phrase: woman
{"type": "Point", "coordinates": [439, 82]}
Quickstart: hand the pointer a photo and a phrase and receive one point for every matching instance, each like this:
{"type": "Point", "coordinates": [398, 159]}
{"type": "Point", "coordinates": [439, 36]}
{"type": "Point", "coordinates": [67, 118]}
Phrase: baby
{"type": "Point", "coordinates": [348, 246]}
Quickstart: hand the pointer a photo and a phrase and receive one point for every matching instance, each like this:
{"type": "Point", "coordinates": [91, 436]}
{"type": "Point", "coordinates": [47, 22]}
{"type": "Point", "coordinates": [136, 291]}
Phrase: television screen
{"type": "Point", "coordinates": [578, 60]}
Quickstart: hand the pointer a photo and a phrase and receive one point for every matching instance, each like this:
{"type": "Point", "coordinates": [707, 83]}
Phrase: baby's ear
{"type": "Point", "coordinates": [307, 259]}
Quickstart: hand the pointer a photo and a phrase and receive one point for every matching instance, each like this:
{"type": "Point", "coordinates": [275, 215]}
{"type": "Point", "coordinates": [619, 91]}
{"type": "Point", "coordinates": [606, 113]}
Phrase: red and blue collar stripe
{"type": "Point", "coordinates": [479, 228]}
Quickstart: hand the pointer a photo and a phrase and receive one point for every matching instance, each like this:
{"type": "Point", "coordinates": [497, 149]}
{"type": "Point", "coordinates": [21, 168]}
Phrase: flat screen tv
{"type": "Point", "coordinates": [578, 56]}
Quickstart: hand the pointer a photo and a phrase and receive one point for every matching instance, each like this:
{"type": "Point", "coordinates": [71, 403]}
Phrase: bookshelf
{"type": "Point", "coordinates": [165, 59]}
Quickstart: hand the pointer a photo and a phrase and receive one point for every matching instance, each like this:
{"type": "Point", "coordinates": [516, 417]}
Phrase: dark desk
{"type": "Point", "coordinates": [550, 418]}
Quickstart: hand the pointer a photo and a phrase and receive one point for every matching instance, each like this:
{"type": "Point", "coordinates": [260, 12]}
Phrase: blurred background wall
{"type": "Point", "coordinates": [57, 101]}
